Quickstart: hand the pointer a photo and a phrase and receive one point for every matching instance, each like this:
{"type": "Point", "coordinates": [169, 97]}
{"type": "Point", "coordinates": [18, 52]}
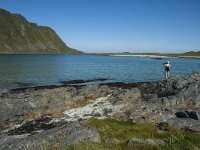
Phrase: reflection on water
{"type": "Point", "coordinates": [31, 70]}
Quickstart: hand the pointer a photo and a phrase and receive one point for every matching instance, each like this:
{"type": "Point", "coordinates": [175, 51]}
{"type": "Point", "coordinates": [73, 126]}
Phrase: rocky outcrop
{"type": "Point", "coordinates": [61, 136]}
{"type": "Point", "coordinates": [66, 103]}
{"type": "Point", "coordinates": [34, 112]}
{"type": "Point", "coordinates": [17, 35]}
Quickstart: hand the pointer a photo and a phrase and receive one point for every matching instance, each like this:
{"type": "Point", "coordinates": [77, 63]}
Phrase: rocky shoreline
{"type": "Point", "coordinates": [33, 117]}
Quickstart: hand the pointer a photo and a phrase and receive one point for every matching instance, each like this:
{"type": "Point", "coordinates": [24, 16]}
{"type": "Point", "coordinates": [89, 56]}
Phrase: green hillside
{"type": "Point", "coordinates": [17, 35]}
{"type": "Point", "coordinates": [192, 53]}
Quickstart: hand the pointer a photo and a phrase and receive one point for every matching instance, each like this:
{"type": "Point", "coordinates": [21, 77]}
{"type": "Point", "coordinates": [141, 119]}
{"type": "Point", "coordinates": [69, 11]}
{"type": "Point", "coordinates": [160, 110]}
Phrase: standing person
{"type": "Point", "coordinates": [167, 66]}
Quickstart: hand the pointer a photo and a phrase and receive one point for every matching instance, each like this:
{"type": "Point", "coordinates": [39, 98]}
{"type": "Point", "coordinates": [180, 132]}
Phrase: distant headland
{"type": "Point", "coordinates": [18, 36]}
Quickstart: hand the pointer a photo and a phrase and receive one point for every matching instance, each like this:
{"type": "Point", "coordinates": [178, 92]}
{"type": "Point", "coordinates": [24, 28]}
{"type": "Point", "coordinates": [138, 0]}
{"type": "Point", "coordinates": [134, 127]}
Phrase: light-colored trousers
{"type": "Point", "coordinates": [167, 74]}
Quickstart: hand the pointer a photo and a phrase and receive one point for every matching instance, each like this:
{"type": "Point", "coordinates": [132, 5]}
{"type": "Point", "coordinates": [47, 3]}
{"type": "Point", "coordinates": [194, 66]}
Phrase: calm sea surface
{"type": "Point", "coordinates": [31, 70]}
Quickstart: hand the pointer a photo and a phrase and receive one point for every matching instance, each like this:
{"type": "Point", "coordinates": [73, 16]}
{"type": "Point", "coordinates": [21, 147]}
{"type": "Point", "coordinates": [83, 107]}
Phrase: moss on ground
{"type": "Point", "coordinates": [125, 130]}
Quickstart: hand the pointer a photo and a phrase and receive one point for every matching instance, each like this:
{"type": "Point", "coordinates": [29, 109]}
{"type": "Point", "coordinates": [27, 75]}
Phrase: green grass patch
{"type": "Point", "coordinates": [124, 130]}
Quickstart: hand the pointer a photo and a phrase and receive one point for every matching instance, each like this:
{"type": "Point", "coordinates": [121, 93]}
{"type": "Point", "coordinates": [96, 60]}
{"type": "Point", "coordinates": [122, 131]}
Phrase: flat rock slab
{"type": "Point", "coordinates": [185, 123]}
{"type": "Point", "coordinates": [139, 141]}
{"type": "Point", "coordinates": [62, 136]}
{"type": "Point", "coordinates": [34, 126]}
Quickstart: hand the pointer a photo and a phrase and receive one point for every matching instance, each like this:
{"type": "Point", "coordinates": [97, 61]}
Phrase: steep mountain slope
{"type": "Point", "coordinates": [17, 35]}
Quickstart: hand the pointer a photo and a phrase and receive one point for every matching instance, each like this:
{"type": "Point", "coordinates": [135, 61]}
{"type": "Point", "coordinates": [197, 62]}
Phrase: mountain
{"type": "Point", "coordinates": [18, 36]}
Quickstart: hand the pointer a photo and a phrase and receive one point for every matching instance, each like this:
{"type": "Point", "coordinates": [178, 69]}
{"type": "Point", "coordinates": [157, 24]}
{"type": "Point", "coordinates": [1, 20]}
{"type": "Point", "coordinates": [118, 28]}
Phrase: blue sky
{"type": "Point", "coordinates": [117, 25]}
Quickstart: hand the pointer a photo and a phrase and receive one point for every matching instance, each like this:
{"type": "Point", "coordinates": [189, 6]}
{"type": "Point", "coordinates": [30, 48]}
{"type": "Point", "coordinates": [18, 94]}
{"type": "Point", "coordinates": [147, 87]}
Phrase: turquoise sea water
{"type": "Point", "coordinates": [32, 70]}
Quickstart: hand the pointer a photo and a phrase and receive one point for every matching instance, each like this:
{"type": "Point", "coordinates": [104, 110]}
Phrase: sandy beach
{"type": "Point", "coordinates": [156, 56]}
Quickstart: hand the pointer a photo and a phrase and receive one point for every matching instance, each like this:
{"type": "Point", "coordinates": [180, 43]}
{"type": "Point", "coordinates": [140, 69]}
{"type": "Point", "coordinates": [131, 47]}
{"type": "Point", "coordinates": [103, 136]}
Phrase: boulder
{"type": "Point", "coordinates": [185, 123]}
{"type": "Point", "coordinates": [61, 136]}
{"type": "Point", "coordinates": [112, 141]}
{"type": "Point", "coordinates": [139, 141]}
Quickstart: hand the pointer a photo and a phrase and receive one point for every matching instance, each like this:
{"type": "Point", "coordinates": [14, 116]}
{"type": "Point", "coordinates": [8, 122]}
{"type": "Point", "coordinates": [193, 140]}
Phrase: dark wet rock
{"type": "Point", "coordinates": [63, 135]}
{"type": "Point", "coordinates": [83, 81]}
{"type": "Point", "coordinates": [39, 88]}
{"type": "Point", "coordinates": [156, 58]}
{"type": "Point", "coordinates": [193, 115]}
{"type": "Point", "coordinates": [34, 126]}
{"type": "Point", "coordinates": [181, 115]}
{"type": "Point", "coordinates": [188, 114]}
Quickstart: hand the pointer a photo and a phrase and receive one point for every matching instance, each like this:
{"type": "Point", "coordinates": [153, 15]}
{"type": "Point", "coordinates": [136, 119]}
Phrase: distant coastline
{"type": "Point", "coordinates": [136, 55]}
{"type": "Point", "coordinates": [155, 56]}
{"type": "Point", "coordinates": [191, 54]}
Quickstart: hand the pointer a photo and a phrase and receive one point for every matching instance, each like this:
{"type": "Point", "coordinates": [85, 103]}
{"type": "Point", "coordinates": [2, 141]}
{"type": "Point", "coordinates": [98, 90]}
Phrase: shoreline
{"type": "Point", "coordinates": [156, 56]}
{"type": "Point", "coordinates": [153, 56]}
{"type": "Point", "coordinates": [117, 55]}
{"type": "Point", "coordinates": [77, 85]}
{"type": "Point", "coordinates": [56, 111]}
{"type": "Point", "coordinates": [81, 83]}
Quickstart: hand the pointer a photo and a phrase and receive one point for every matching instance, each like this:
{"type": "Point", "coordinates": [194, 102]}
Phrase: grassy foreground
{"type": "Point", "coordinates": [123, 131]}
